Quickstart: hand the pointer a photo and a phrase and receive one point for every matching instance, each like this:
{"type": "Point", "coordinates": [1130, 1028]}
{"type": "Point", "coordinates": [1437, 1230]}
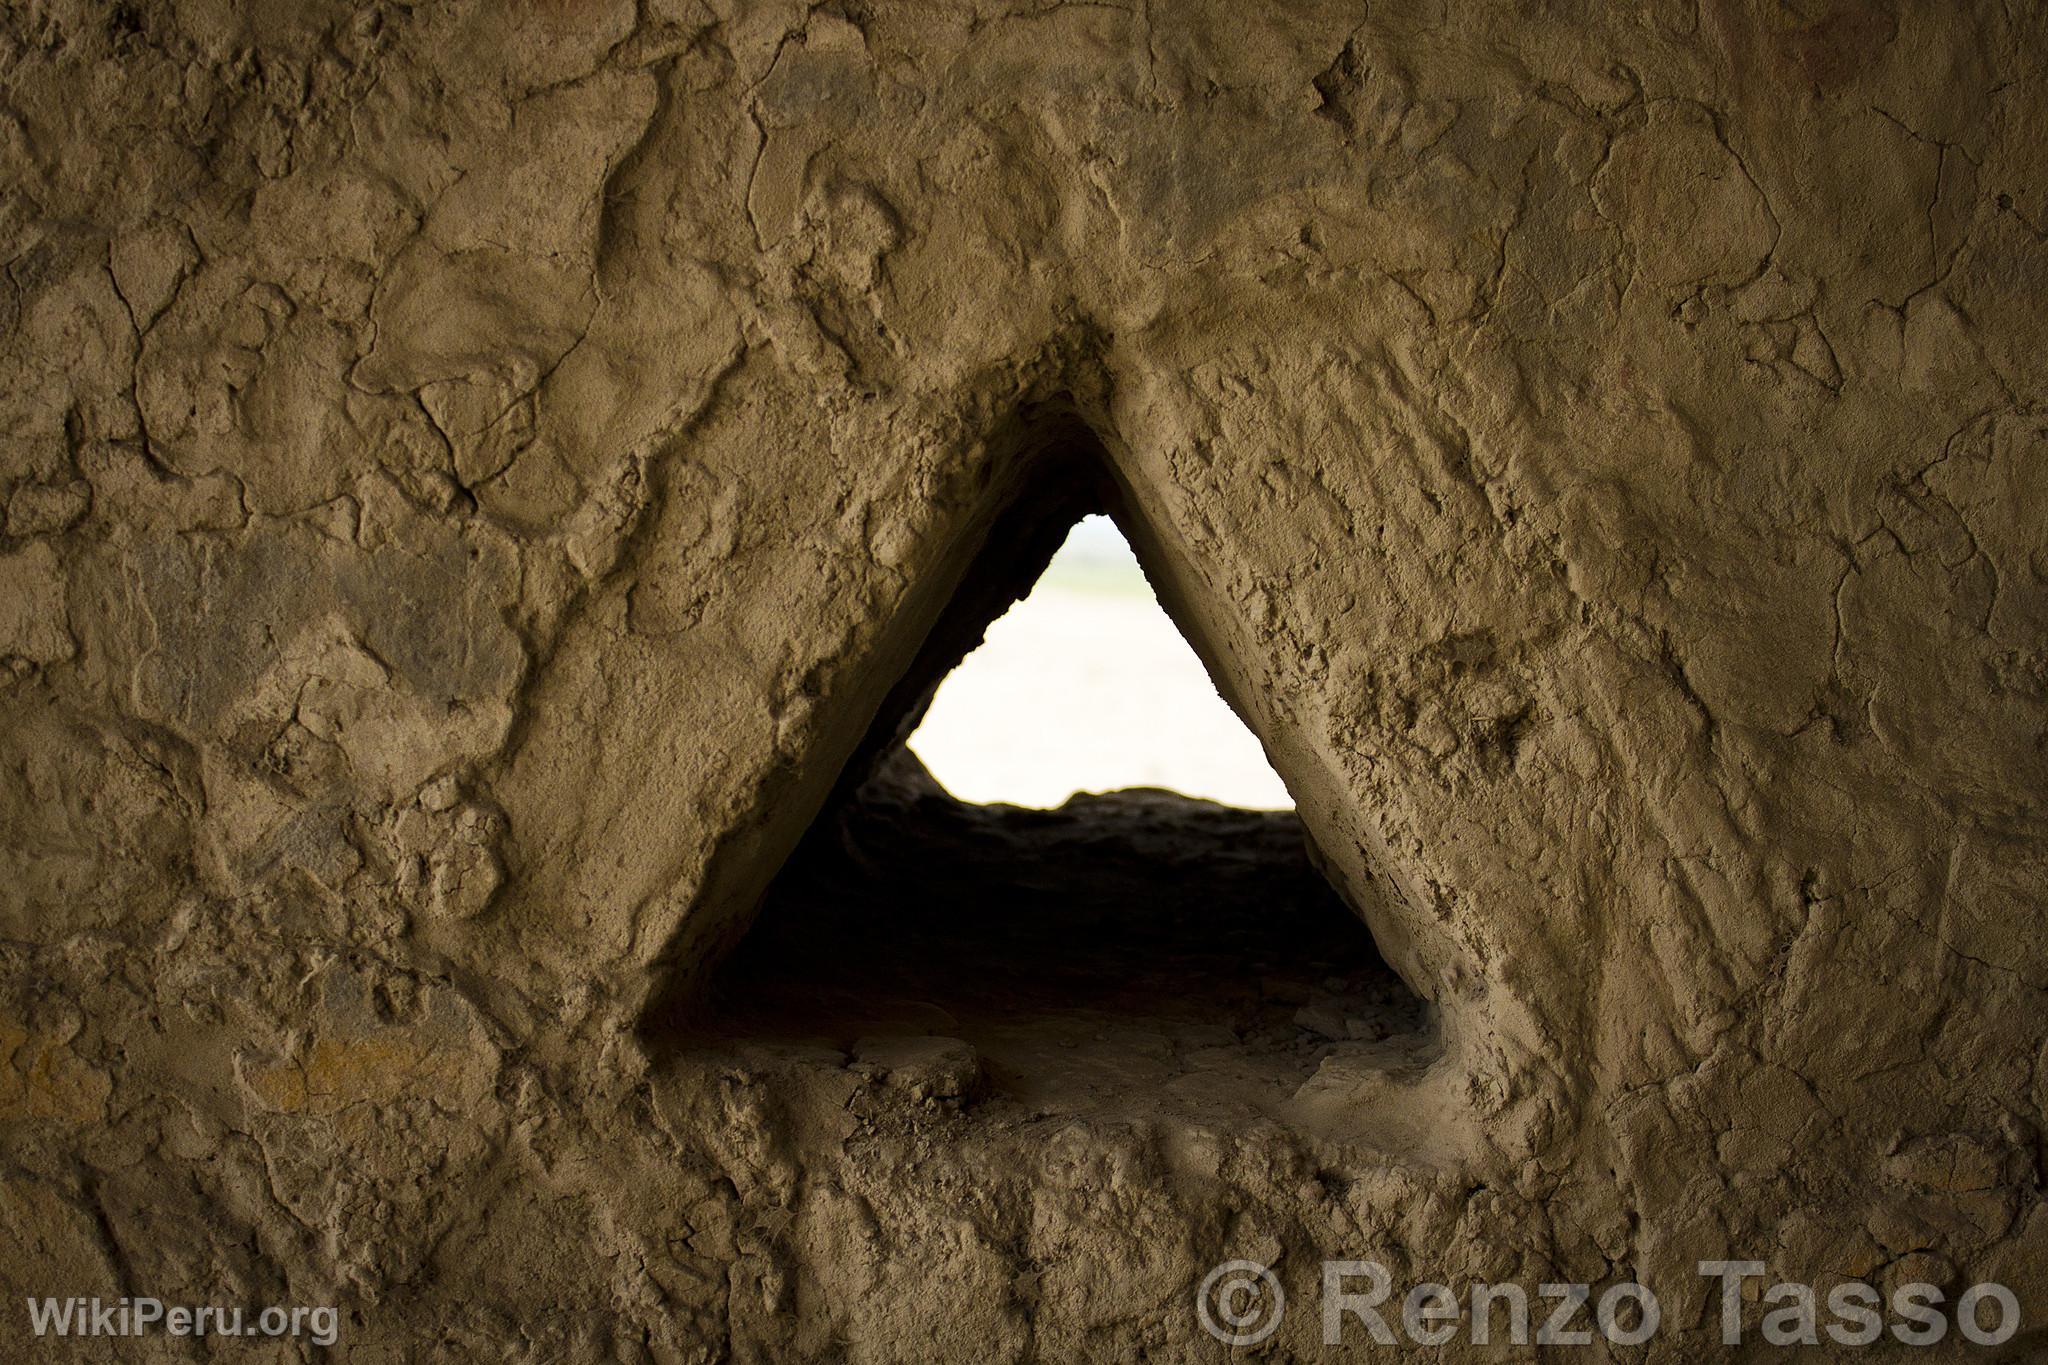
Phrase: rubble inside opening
{"type": "Point", "coordinates": [1124, 950]}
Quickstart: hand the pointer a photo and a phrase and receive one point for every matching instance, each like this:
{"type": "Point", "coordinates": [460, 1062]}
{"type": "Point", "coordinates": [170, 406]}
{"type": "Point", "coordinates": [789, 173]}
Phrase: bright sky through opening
{"type": "Point", "coordinates": [1086, 685]}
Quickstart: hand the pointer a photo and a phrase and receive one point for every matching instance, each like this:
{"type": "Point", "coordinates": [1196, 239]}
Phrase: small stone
{"type": "Point", "coordinates": [441, 794]}
{"type": "Point", "coordinates": [932, 1069]}
{"type": "Point", "coordinates": [1322, 1019]}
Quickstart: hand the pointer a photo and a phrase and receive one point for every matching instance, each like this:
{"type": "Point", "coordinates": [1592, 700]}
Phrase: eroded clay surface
{"type": "Point", "coordinates": [470, 472]}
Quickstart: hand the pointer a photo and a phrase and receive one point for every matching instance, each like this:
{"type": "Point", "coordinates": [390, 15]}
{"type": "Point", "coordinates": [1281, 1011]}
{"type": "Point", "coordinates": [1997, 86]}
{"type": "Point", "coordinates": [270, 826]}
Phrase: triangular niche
{"type": "Point", "coordinates": [1113, 948]}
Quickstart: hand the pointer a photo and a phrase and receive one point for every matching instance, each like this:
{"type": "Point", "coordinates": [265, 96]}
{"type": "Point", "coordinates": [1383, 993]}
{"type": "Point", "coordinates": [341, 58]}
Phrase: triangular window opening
{"type": "Point", "coordinates": [1096, 903]}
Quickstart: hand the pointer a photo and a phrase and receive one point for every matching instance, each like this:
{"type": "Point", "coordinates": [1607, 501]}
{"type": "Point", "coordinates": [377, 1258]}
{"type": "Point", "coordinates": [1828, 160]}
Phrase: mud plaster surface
{"type": "Point", "coordinates": [472, 475]}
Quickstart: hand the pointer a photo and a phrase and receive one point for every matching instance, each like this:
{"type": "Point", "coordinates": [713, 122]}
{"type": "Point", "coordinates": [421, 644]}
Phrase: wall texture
{"type": "Point", "coordinates": [472, 472]}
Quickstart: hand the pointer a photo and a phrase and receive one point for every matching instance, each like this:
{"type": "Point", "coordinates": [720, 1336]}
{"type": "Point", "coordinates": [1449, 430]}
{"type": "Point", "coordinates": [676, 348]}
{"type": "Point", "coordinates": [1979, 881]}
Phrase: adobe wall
{"type": "Point", "coordinates": [471, 474]}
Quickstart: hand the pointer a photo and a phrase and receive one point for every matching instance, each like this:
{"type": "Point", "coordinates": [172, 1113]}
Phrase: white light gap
{"type": "Point", "coordinates": [1087, 686]}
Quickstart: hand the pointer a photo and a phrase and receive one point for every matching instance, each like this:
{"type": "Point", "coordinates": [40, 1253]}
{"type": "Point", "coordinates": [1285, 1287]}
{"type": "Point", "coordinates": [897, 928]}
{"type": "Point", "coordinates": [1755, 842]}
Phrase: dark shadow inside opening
{"type": "Point", "coordinates": [1122, 945]}
{"type": "Point", "coordinates": [1133, 939]}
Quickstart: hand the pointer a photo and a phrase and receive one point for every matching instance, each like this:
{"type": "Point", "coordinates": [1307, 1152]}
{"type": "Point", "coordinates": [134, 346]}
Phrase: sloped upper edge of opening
{"type": "Point", "coordinates": [1046, 470]}
{"type": "Point", "coordinates": [1051, 470]}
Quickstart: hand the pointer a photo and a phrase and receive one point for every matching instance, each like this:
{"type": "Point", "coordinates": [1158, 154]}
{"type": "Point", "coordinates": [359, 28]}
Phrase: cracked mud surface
{"type": "Point", "coordinates": [474, 475]}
